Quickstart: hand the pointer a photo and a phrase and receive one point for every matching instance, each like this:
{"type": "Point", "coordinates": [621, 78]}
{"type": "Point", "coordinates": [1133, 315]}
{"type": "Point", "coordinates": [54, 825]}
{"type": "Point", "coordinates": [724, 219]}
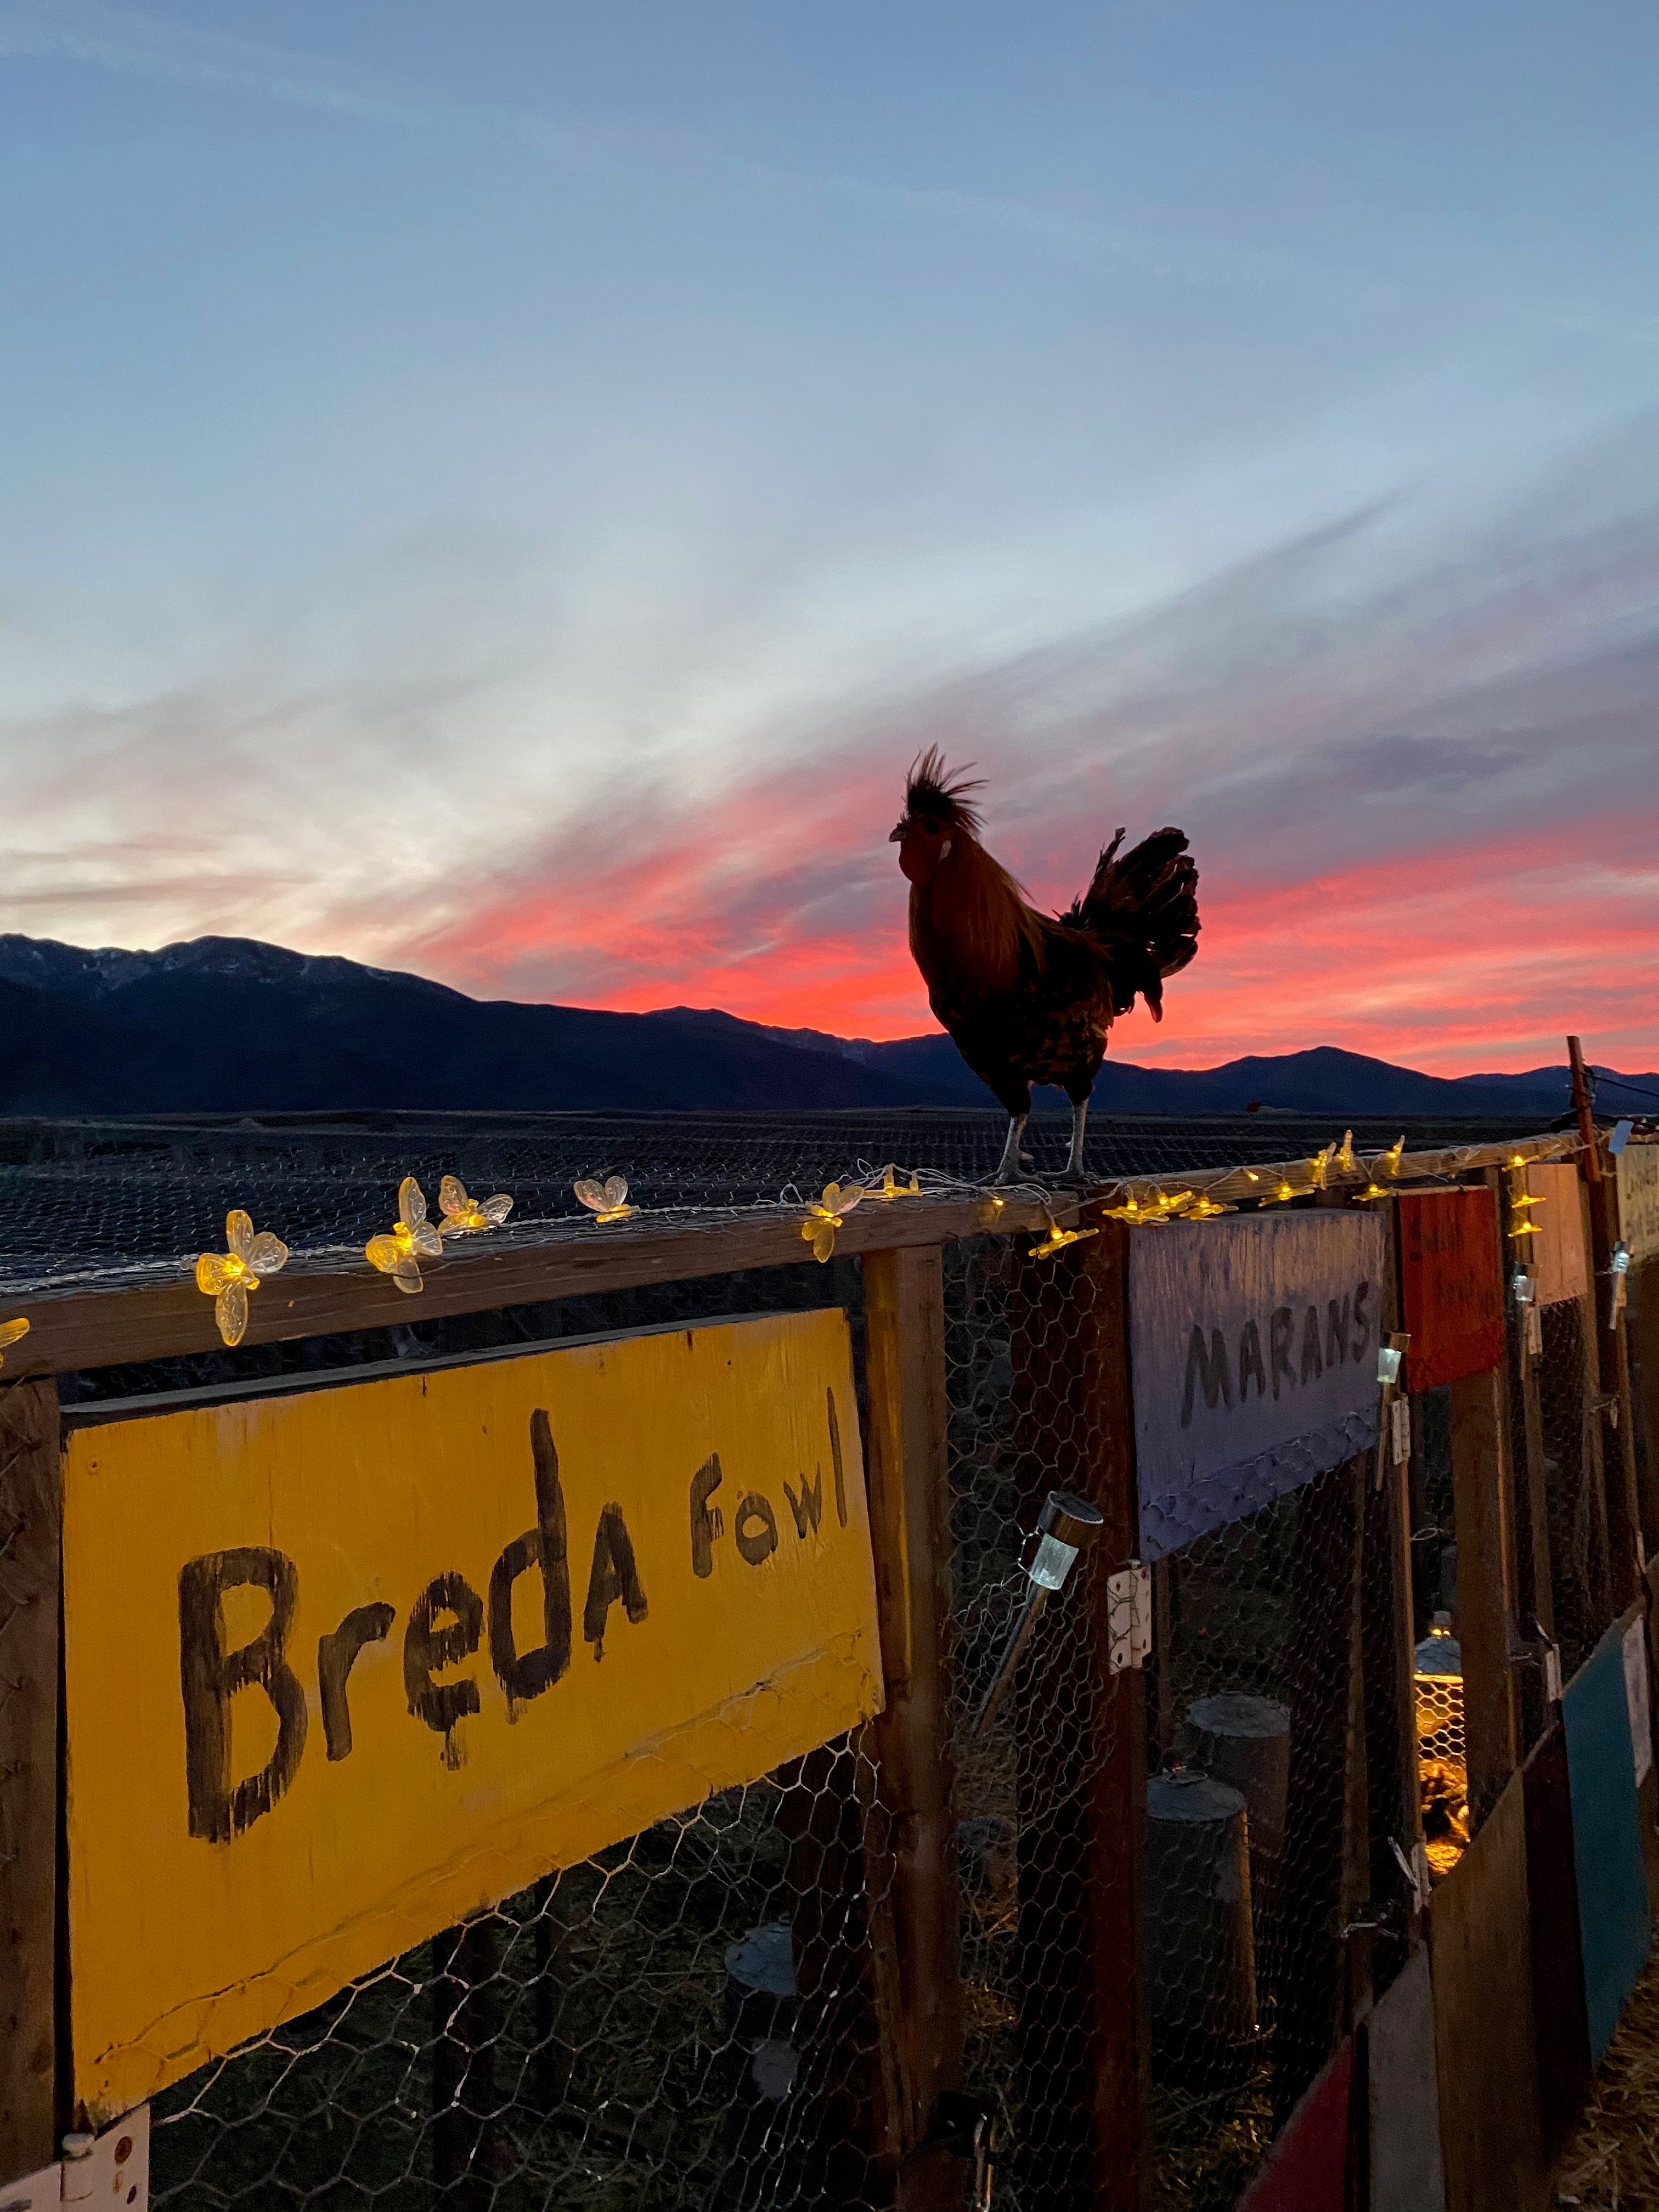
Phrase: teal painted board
{"type": "Point", "coordinates": [1614, 1926]}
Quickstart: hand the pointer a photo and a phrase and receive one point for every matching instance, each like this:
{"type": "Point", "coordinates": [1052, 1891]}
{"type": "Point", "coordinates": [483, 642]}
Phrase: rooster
{"type": "Point", "coordinates": [1028, 999]}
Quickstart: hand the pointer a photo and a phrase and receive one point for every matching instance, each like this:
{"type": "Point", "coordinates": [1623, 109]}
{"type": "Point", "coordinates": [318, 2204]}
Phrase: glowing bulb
{"type": "Point", "coordinates": [9, 1332]}
{"type": "Point", "coordinates": [1390, 1161]}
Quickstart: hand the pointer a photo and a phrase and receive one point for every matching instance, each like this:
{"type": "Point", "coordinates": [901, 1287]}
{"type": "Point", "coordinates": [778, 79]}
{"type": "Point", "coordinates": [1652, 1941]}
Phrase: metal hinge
{"type": "Point", "coordinates": [1129, 1603]}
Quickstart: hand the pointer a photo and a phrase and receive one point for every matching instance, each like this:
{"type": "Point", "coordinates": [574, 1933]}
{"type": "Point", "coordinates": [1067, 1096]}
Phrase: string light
{"type": "Point", "coordinates": [1057, 1239]}
{"type": "Point", "coordinates": [1345, 1158]}
{"type": "Point", "coordinates": [1206, 1209]}
{"type": "Point", "coordinates": [1371, 1190]}
{"type": "Point", "coordinates": [467, 1217]}
{"type": "Point", "coordinates": [1318, 1164]}
{"type": "Point", "coordinates": [824, 1218]}
{"type": "Point", "coordinates": [1279, 1197]}
{"type": "Point", "coordinates": [412, 1239]}
{"type": "Point", "coordinates": [228, 1277]}
{"type": "Point", "coordinates": [891, 1188]}
{"type": "Point", "coordinates": [1390, 1161]}
{"type": "Point", "coordinates": [607, 1200]}
{"type": "Point", "coordinates": [9, 1332]}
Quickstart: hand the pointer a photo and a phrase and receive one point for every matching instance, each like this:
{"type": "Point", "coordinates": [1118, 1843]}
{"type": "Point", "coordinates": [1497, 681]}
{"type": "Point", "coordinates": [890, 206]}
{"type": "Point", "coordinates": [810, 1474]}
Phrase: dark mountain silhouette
{"type": "Point", "coordinates": [230, 1025]}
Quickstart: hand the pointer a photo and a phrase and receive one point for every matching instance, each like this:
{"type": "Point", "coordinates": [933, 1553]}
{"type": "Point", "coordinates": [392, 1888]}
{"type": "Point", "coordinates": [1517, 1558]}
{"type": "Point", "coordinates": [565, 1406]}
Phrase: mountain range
{"type": "Point", "coordinates": [229, 1025]}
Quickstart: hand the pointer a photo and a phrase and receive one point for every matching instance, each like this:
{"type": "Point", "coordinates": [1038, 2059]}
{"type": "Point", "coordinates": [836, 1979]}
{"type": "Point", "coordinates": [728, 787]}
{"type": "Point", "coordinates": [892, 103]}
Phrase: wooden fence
{"type": "Point", "coordinates": [1416, 1991]}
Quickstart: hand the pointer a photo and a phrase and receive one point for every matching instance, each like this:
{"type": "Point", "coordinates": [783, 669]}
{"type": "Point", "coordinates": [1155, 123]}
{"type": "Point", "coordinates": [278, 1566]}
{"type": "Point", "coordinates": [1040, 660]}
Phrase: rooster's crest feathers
{"type": "Point", "coordinates": [930, 788]}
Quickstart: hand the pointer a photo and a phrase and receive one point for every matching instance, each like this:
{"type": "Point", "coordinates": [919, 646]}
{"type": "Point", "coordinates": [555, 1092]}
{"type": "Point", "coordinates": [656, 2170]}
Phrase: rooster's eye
{"type": "Point", "coordinates": [930, 827]}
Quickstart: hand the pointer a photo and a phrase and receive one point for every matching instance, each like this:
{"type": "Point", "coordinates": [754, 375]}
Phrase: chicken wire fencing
{"type": "Point", "coordinates": [1574, 1483]}
{"type": "Point", "coordinates": [691, 2018]}
{"type": "Point", "coordinates": [682, 2021]}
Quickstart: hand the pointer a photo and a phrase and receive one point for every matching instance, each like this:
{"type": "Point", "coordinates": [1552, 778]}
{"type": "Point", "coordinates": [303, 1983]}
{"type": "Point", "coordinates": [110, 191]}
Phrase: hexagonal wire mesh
{"type": "Point", "coordinates": [639, 2031]}
{"type": "Point", "coordinates": [681, 2021]}
{"type": "Point", "coordinates": [1575, 1487]}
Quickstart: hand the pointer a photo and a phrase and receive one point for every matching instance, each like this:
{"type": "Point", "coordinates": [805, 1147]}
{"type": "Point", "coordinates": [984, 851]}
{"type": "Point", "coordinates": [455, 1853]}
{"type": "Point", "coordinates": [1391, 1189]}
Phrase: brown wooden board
{"type": "Point", "coordinates": [1485, 1585]}
{"type": "Point", "coordinates": [322, 1296]}
{"type": "Point", "coordinates": [1490, 2129]}
{"type": "Point", "coordinates": [1451, 1293]}
{"type": "Point", "coordinates": [1557, 1966]}
{"type": "Point", "coordinates": [28, 1773]}
{"type": "Point", "coordinates": [1557, 1250]}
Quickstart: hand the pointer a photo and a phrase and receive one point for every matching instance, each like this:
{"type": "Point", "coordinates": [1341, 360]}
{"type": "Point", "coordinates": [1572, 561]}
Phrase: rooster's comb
{"type": "Point", "coordinates": [930, 788]}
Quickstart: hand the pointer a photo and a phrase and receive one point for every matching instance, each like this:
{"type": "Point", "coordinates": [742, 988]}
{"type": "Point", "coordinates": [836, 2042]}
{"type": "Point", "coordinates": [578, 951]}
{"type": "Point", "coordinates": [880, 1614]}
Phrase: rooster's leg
{"type": "Point", "coordinates": [1074, 1157]}
{"type": "Point", "coordinates": [1008, 1169]}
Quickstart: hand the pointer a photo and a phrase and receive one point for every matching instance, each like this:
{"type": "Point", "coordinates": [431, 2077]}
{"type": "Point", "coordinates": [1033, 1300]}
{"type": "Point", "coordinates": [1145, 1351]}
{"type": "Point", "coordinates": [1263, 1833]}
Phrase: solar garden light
{"type": "Point", "coordinates": [1065, 1526]}
{"type": "Point", "coordinates": [1618, 1268]}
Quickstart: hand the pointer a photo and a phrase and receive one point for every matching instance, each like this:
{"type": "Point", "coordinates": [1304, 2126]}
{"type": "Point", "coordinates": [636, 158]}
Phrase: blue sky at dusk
{"type": "Point", "coordinates": [504, 492]}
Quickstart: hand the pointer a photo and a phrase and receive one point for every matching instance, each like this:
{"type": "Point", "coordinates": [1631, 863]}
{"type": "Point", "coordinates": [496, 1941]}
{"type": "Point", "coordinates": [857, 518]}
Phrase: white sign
{"type": "Point", "coordinates": [1253, 1350]}
{"type": "Point", "coordinates": [1638, 1200]}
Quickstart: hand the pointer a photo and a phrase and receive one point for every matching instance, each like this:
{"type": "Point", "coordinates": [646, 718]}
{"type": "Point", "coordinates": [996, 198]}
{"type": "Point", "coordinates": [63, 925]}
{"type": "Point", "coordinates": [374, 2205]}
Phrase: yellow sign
{"type": "Point", "coordinates": [347, 1665]}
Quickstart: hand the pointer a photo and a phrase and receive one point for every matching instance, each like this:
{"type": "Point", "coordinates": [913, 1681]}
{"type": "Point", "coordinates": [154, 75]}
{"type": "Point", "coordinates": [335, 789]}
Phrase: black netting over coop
{"type": "Point", "coordinates": [91, 1204]}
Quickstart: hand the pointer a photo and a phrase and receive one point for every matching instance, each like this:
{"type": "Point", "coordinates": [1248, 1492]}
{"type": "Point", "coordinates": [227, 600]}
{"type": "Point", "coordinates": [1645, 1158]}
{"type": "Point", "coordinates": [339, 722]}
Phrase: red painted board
{"type": "Point", "coordinates": [1451, 1287]}
{"type": "Point", "coordinates": [1306, 2168]}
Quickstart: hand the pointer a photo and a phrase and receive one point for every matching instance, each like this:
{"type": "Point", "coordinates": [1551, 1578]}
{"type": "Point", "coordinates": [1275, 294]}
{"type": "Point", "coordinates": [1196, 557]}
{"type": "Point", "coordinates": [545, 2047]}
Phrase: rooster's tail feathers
{"type": "Point", "coordinates": [1150, 899]}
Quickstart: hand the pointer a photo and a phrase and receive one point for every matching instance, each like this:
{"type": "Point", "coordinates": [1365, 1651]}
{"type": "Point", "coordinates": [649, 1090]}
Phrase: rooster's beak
{"type": "Point", "coordinates": [897, 837]}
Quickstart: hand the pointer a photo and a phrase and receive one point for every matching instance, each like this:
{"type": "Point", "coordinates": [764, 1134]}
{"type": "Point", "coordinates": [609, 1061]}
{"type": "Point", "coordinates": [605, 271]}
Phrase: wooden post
{"type": "Point", "coordinates": [1080, 1755]}
{"type": "Point", "coordinates": [1529, 1502]}
{"type": "Point", "coordinates": [1485, 1587]}
{"type": "Point", "coordinates": [1592, 1450]}
{"type": "Point", "coordinates": [910, 1528]}
{"type": "Point", "coordinates": [1612, 1369]}
{"type": "Point", "coordinates": [29, 1581]}
{"type": "Point", "coordinates": [1388, 1627]}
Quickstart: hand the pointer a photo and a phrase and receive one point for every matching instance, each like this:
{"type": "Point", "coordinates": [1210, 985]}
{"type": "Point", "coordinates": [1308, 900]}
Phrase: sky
{"type": "Point", "coordinates": [505, 491]}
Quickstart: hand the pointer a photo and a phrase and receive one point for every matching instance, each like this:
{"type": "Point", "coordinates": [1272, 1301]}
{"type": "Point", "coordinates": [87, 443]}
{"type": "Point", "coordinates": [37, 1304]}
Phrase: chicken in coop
{"type": "Point", "coordinates": [1027, 997]}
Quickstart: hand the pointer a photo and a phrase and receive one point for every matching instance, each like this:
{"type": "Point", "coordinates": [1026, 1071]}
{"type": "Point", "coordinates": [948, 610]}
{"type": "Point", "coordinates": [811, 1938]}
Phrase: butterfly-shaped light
{"type": "Point", "coordinates": [824, 1218]}
{"type": "Point", "coordinates": [1282, 1196]}
{"type": "Point", "coordinates": [227, 1277]}
{"type": "Point", "coordinates": [606, 1200]}
{"type": "Point", "coordinates": [1151, 1215]}
{"type": "Point", "coordinates": [1372, 1189]}
{"type": "Point", "coordinates": [9, 1332]}
{"type": "Point", "coordinates": [412, 1239]}
{"type": "Point", "coordinates": [1345, 1158]}
{"type": "Point", "coordinates": [1319, 1166]}
{"type": "Point", "coordinates": [891, 1188]}
{"type": "Point", "coordinates": [1390, 1161]}
{"type": "Point", "coordinates": [468, 1217]}
{"type": "Point", "coordinates": [1206, 1209]}
{"type": "Point", "coordinates": [1057, 1239]}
